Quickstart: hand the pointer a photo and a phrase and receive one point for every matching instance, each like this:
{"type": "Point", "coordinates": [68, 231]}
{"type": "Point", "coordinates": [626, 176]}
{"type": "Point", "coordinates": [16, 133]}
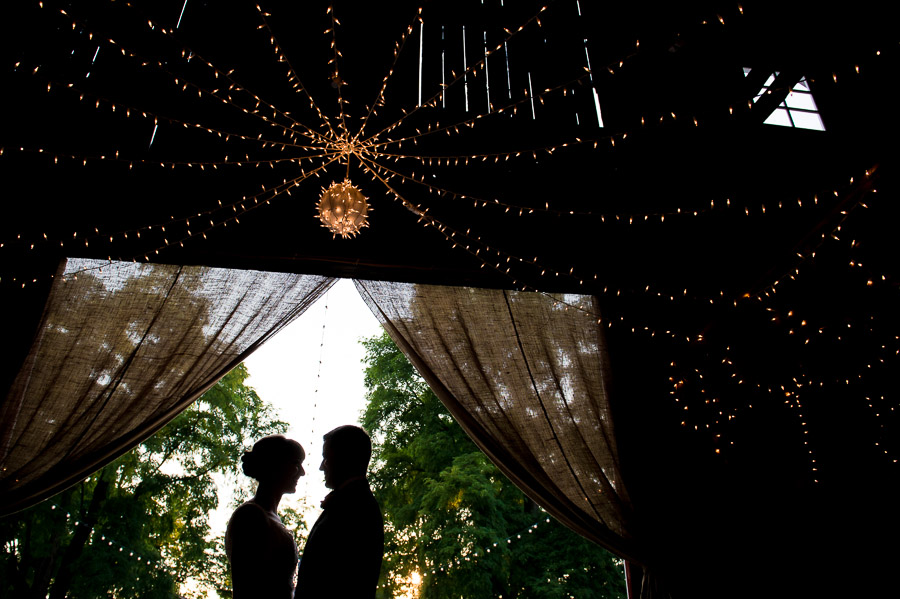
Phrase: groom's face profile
{"type": "Point", "coordinates": [328, 464]}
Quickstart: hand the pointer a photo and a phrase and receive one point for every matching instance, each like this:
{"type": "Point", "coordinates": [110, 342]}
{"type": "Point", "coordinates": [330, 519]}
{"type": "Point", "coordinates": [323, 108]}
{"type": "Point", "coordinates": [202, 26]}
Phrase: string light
{"type": "Point", "coordinates": [868, 337]}
{"type": "Point", "coordinates": [472, 556]}
{"type": "Point", "coordinates": [292, 76]}
{"type": "Point", "coordinates": [154, 562]}
{"type": "Point", "coordinates": [322, 148]}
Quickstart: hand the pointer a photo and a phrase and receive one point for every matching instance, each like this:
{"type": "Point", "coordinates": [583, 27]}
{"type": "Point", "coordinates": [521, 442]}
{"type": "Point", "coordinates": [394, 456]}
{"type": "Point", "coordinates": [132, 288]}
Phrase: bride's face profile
{"type": "Point", "coordinates": [292, 472]}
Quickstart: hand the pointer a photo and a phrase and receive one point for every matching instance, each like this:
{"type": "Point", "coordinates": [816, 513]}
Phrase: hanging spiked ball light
{"type": "Point", "coordinates": [343, 209]}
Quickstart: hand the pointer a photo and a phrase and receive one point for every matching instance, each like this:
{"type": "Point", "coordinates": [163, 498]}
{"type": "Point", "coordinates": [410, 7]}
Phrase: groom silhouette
{"type": "Point", "coordinates": [343, 553]}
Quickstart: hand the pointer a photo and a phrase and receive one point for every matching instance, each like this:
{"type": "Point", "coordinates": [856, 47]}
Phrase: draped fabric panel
{"type": "Point", "coordinates": [525, 374]}
{"type": "Point", "coordinates": [122, 349]}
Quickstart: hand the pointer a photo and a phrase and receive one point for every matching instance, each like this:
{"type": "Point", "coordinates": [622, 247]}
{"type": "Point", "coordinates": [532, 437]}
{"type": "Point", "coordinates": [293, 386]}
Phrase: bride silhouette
{"type": "Point", "coordinates": [261, 551]}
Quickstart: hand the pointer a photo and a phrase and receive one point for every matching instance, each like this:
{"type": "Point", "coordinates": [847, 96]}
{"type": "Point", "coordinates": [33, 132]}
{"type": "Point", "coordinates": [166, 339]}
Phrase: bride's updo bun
{"type": "Point", "coordinates": [269, 454]}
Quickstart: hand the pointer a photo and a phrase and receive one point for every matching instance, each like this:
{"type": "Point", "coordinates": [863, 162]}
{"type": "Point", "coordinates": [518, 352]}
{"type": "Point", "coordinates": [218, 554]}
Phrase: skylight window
{"type": "Point", "coordinates": [798, 109]}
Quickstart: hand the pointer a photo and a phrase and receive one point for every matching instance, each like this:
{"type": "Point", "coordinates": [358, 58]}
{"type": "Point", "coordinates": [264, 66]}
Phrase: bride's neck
{"type": "Point", "coordinates": [267, 497]}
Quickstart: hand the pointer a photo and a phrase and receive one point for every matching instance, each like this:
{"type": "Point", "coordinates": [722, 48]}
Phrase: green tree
{"type": "Point", "coordinates": [449, 510]}
{"type": "Point", "coordinates": [139, 526]}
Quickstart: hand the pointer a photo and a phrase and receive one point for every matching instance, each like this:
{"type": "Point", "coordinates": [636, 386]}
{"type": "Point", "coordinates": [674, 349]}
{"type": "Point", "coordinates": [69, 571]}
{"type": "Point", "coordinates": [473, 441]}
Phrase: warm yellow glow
{"type": "Point", "coordinates": [343, 209]}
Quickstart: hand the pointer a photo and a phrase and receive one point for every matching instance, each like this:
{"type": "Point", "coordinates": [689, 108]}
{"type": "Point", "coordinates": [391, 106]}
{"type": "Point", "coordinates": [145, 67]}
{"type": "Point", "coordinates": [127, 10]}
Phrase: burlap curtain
{"type": "Point", "coordinates": [525, 374]}
{"type": "Point", "coordinates": [121, 350]}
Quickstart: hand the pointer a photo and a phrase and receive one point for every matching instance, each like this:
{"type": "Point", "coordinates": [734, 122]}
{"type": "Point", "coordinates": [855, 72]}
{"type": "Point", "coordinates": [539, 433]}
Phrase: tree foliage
{"type": "Point", "coordinates": [139, 526]}
{"type": "Point", "coordinates": [445, 502]}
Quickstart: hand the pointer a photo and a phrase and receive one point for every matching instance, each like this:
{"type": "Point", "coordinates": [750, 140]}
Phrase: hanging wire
{"type": "Point", "coordinates": [312, 432]}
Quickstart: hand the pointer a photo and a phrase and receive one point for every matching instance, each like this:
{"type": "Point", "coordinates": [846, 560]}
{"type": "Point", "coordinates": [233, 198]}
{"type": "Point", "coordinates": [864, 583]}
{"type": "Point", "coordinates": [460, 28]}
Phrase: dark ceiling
{"type": "Point", "coordinates": [681, 66]}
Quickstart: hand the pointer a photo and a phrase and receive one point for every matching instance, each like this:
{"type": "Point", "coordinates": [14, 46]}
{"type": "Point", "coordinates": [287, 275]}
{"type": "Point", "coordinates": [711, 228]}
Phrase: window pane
{"type": "Point", "coordinates": [807, 120]}
{"type": "Point", "coordinates": [779, 117]}
{"type": "Point", "coordinates": [800, 100]}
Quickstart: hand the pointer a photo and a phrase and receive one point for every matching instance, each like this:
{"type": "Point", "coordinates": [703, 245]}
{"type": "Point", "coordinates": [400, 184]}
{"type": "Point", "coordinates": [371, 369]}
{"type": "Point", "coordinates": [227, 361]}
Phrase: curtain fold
{"type": "Point", "coordinates": [122, 349]}
{"type": "Point", "coordinates": [525, 374]}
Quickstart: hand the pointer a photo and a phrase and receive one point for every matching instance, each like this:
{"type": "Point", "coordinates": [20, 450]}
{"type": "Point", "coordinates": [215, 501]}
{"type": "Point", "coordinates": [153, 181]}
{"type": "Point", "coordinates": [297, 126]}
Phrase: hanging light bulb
{"type": "Point", "coordinates": [343, 209]}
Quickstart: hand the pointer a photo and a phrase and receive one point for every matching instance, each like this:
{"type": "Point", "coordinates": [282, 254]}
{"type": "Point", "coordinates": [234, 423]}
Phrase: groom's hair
{"type": "Point", "coordinates": [352, 448]}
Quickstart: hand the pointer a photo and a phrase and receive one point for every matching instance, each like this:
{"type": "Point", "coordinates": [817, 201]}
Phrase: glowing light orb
{"type": "Point", "coordinates": [343, 209]}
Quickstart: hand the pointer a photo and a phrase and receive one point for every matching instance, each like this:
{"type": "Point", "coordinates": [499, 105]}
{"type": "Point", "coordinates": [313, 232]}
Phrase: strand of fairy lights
{"type": "Point", "coordinates": [257, 203]}
{"type": "Point", "coordinates": [609, 322]}
{"type": "Point", "coordinates": [495, 546]}
{"type": "Point", "coordinates": [337, 82]}
{"type": "Point", "coordinates": [877, 412]}
{"type": "Point", "coordinates": [435, 570]}
{"type": "Point", "coordinates": [790, 397]}
{"type": "Point", "coordinates": [629, 218]}
{"type": "Point", "coordinates": [184, 84]}
{"type": "Point", "coordinates": [885, 353]}
{"type": "Point", "coordinates": [420, 213]}
{"type": "Point", "coordinates": [312, 431]}
{"type": "Point", "coordinates": [791, 389]}
{"type": "Point", "coordinates": [723, 23]}
{"type": "Point", "coordinates": [555, 273]}
{"type": "Point", "coordinates": [797, 400]}
{"type": "Point", "coordinates": [760, 296]}
{"type": "Point", "coordinates": [471, 122]}
{"type": "Point", "coordinates": [220, 133]}
{"type": "Point", "coordinates": [210, 65]}
{"type": "Point", "coordinates": [634, 329]}
{"type": "Point", "coordinates": [116, 156]}
{"type": "Point", "coordinates": [368, 147]}
{"type": "Point", "coordinates": [871, 280]}
{"type": "Point", "coordinates": [793, 395]}
{"type": "Point", "coordinates": [379, 98]}
{"type": "Point", "coordinates": [711, 301]}
{"type": "Point", "coordinates": [506, 258]}
{"type": "Point", "coordinates": [292, 77]}
{"type": "Point", "coordinates": [809, 254]}
{"type": "Point", "coordinates": [610, 67]}
{"type": "Point", "coordinates": [156, 563]}
{"type": "Point", "coordinates": [866, 365]}
{"type": "Point", "coordinates": [798, 325]}
{"type": "Point", "coordinates": [434, 100]}
{"type": "Point", "coordinates": [673, 116]}
{"type": "Point", "coordinates": [432, 159]}
{"type": "Point", "coordinates": [256, 199]}
{"type": "Point", "coordinates": [450, 236]}
{"type": "Point", "coordinates": [151, 25]}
